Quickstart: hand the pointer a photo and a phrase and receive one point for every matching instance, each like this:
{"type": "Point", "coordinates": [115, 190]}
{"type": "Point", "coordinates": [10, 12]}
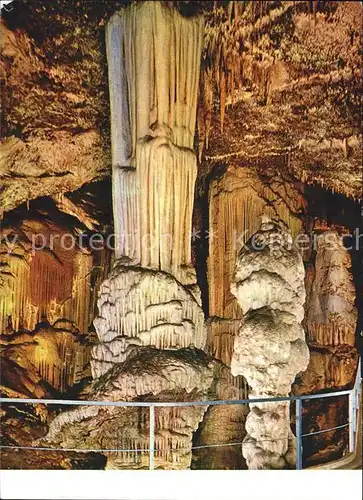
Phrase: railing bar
{"type": "Point", "coordinates": [174, 403]}
{"type": "Point", "coordinates": [234, 444]}
{"type": "Point", "coordinates": [299, 445]}
{"type": "Point", "coordinates": [151, 437]}
{"type": "Point", "coordinates": [136, 449]}
{"type": "Point", "coordinates": [326, 430]}
{"type": "Point", "coordinates": [89, 450]}
{"type": "Point", "coordinates": [351, 421]}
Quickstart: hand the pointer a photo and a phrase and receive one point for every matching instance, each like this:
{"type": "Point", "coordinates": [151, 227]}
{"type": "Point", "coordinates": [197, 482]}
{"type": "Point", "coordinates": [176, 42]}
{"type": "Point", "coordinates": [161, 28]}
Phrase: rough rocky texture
{"type": "Point", "coordinates": [154, 375]}
{"type": "Point", "coordinates": [59, 358]}
{"type": "Point", "coordinates": [332, 368]}
{"type": "Point", "coordinates": [331, 315]}
{"type": "Point", "coordinates": [54, 105]}
{"type": "Point", "coordinates": [270, 347]}
{"type": "Point", "coordinates": [219, 438]}
{"type": "Point", "coordinates": [285, 85]}
{"type": "Point", "coordinates": [280, 87]}
{"type": "Point", "coordinates": [139, 307]}
{"type": "Point", "coordinates": [19, 377]}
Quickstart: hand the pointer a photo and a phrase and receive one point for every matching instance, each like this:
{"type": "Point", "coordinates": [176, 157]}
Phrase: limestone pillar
{"type": "Point", "coordinates": [154, 57]}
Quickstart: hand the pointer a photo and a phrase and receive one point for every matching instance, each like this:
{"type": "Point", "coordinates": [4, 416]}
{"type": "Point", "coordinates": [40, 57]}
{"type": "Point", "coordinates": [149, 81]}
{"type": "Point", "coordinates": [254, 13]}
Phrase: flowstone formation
{"type": "Point", "coordinates": [270, 348]}
{"type": "Point", "coordinates": [142, 307]}
{"type": "Point", "coordinates": [60, 358]}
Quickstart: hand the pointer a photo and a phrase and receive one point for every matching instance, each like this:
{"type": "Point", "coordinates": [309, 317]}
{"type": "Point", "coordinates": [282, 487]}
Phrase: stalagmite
{"type": "Point", "coordinates": [270, 348]}
{"type": "Point", "coordinates": [150, 374]}
{"type": "Point", "coordinates": [331, 314]}
{"type": "Point", "coordinates": [237, 201]}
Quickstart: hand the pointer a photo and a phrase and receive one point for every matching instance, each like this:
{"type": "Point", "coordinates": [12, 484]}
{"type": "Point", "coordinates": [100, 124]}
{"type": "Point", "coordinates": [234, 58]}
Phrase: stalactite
{"type": "Point", "coordinates": [44, 284]}
{"type": "Point", "coordinates": [15, 311]}
{"type": "Point", "coordinates": [230, 51]}
{"type": "Point", "coordinates": [223, 91]}
{"type": "Point", "coordinates": [270, 347]}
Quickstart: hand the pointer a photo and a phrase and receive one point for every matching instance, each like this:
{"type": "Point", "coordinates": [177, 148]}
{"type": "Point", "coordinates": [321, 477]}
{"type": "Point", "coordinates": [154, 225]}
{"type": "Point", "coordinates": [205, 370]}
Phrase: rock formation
{"type": "Point", "coordinates": [330, 322]}
{"type": "Point", "coordinates": [25, 301]}
{"type": "Point", "coordinates": [154, 59]}
{"type": "Point", "coordinates": [155, 375]}
{"type": "Point", "coordinates": [149, 324]}
{"type": "Point", "coordinates": [270, 348]}
{"type": "Point", "coordinates": [331, 314]}
{"type": "Point", "coordinates": [237, 201]}
{"type": "Point", "coordinates": [60, 358]}
{"type": "Point", "coordinates": [142, 307]}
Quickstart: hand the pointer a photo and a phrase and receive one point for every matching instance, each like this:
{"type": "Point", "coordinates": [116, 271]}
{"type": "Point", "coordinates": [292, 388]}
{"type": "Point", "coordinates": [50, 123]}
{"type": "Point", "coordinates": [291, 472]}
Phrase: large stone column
{"type": "Point", "coordinates": [237, 201]}
{"type": "Point", "coordinates": [270, 348]}
{"type": "Point", "coordinates": [149, 323]}
{"type": "Point", "coordinates": [153, 55]}
{"type": "Point", "coordinates": [154, 64]}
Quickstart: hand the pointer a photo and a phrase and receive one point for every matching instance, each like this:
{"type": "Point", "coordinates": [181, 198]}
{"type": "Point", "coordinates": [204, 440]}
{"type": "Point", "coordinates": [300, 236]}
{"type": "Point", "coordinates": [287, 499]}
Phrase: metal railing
{"type": "Point", "coordinates": [353, 395]}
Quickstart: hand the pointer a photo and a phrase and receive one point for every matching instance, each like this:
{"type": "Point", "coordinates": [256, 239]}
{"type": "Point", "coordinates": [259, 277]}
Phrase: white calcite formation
{"type": "Point", "coordinates": [142, 307]}
{"type": "Point", "coordinates": [154, 57]}
{"type": "Point", "coordinates": [270, 348]}
{"type": "Point", "coordinates": [331, 315]}
{"type": "Point", "coordinates": [237, 201]}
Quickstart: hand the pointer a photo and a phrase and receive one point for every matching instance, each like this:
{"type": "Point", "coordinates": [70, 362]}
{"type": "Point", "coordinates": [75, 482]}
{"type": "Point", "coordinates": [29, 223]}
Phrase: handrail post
{"type": "Point", "coordinates": [351, 421]}
{"type": "Point", "coordinates": [299, 447]}
{"type": "Point", "coordinates": [151, 436]}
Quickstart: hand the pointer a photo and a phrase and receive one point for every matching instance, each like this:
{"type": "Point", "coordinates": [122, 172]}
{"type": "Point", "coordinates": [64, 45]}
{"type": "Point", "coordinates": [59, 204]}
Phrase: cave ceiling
{"type": "Point", "coordinates": [279, 90]}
